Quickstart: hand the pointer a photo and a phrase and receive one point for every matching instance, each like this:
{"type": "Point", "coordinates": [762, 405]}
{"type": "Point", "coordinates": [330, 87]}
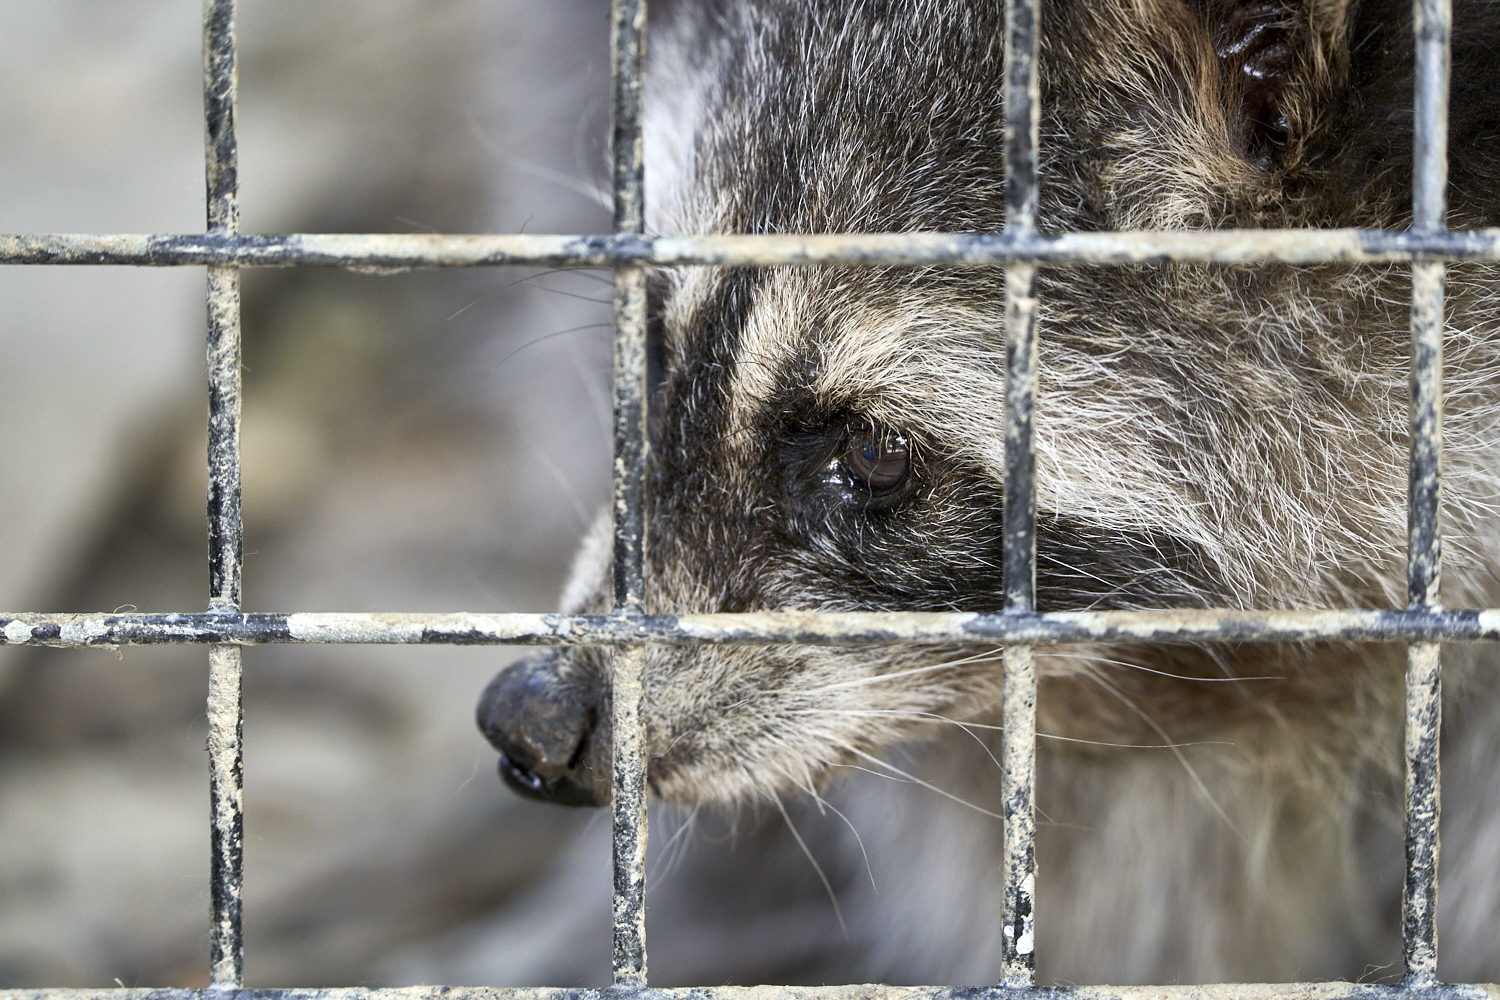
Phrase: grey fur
{"type": "Point", "coordinates": [1207, 436]}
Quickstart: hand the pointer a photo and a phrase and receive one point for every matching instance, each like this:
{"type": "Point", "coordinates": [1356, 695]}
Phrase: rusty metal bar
{"type": "Point", "coordinates": [753, 628]}
{"type": "Point", "coordinates": [1432, 26]}
{"type": "Point", "coordinates": [1018, 695]}
{"type": "Point", "coordinates": [403, 251]}
{"type": "Point", "coordinates": [1209, 991]}
{"type": "Point", "coordinates": [627, 44]}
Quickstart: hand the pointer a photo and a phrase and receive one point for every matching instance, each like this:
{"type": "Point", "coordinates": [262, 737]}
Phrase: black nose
{"type": "Point", "coordinates": [547, 733]}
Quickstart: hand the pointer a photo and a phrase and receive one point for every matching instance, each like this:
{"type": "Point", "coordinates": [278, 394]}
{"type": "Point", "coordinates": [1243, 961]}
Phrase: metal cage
{"type": "Point", "coordinates": [223, 251]}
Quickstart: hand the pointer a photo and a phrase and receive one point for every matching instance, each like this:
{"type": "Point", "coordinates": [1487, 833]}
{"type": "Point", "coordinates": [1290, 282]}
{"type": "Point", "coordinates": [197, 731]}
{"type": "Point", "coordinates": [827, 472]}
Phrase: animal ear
{"type": "Point", "coordinates": [1282, 63]}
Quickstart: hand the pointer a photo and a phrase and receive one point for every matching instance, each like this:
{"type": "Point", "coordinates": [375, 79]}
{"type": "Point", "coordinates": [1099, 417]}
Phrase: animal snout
{"type": "Point", "coordinates": [548, 734]}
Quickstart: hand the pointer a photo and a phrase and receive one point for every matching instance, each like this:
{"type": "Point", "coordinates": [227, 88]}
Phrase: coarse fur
{"type": "Point", "coordinates": [1207, 436]}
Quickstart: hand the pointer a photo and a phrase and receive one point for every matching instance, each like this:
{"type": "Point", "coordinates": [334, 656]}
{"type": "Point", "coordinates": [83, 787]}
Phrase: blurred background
{"type": "Point", "coordinates": [431, 441]}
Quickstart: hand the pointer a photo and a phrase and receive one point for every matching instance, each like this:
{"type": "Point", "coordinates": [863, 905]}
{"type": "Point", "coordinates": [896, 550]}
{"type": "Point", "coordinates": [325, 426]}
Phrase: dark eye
{"type": "Point", "coordinates": [877, 457]}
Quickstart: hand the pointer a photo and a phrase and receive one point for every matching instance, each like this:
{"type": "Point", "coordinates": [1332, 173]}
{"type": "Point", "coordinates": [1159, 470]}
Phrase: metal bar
{"type": "Point", "coordinates": [627, 45]}
{"type": "Point", "coordinates": [1020, 449]}
{"type": "Point", "coordinates": [1419, 893]}
{"type": "Point", "coordinates": [1018, 780]}
{"type": "Point", "coordinates": [628, 788]}
{"type": "Point", "coordinates": [227, 827]}
{"type": "Point", "coordinates": [1432, 22]}
{"type": "Point", "coordinates": [225, 545]}
{"type": "Point", "coordinates": [627, 51]}
{"type": "Point", "coordinates": [1208, 991]}
{"type": "Point", "coordinates": [752, 629]}
{"type": "Point", "coordinates": [629, 484]}
{"type": "Point", "coordinates": [1424, 498]}
{"type": "Point", "coordinates": [1432, 26]}
{"type": "Point", "coordinates": [382, 252]}
{"type": "Point", "coordinates": [1018, 684]}
{"type": "Point", "coordinates": [1018, 697]}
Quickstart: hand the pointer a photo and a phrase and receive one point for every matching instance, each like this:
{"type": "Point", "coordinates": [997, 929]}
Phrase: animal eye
{"type": "Point", "coordinates": [877, 457]}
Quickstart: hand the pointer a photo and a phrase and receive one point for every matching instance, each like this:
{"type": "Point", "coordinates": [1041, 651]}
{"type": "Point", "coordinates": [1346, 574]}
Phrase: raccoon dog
{"type": "Point", "coordinates": [1207, 436]}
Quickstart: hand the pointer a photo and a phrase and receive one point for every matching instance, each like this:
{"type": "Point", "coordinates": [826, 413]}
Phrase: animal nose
{"type": "Point", "coordinates": [544, 730]}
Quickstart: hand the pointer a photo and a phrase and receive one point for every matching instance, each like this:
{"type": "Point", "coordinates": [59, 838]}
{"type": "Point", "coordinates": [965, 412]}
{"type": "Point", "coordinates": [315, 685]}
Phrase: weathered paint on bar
{"type": "Point", "coordinates": [1018, 702]}
{"type": "Point", "coordinates": [225, 534]}
{"type": "Point", "coordinates": [752, 628]}
{"type": "Point", "coordinates": [226, 813]}
{"type": "Point", "coordinates": [627, 46]}
{"type": "Point", "coordinates": [1219, 991]}
{"type": "Point", "coordinates": [380, 252]}
{"type": "Point", "coordinates": [1432, 29]}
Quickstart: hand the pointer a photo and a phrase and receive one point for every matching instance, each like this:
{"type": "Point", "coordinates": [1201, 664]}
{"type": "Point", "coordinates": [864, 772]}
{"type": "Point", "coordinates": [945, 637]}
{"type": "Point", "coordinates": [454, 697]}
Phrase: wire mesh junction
{"type": "Point", "coordinates": [226, 629]}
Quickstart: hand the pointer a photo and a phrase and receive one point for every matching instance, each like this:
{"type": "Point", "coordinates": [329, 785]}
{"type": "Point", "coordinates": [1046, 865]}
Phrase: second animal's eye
{"type": "Point", "coordinates": [877, 458]}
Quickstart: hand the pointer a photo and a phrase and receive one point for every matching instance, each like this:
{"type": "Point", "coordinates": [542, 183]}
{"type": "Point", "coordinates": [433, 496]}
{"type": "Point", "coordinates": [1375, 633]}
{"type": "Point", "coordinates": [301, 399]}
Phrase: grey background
{"type": "Point", "coordinates": [422, 441]}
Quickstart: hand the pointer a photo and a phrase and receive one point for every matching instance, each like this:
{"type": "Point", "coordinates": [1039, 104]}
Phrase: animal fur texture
{"type": "Point", "coordinates": [1207, 436]}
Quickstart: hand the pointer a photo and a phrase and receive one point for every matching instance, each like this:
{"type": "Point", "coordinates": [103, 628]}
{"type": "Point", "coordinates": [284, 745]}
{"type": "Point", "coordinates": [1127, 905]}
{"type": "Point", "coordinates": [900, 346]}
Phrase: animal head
{"type": "Point", "coordinates": [831, 439]}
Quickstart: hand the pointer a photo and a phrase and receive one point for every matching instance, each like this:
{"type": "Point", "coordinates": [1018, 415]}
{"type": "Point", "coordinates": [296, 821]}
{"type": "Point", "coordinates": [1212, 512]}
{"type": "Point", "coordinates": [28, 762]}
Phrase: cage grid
{"type": "Point", "coordinates": [226, 629]}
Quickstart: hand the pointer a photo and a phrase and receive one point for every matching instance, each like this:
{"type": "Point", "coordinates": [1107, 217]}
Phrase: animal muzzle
{"type": "Point", "coordinates": [552, 745]}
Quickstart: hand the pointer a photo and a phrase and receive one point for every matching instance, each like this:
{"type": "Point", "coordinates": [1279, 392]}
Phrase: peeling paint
{"type": "Point", "coordinates": [1018, 780]}
{"type": "Point", "coordinates": [1424, 692]}
{"type": "Point", "coordinates": [225, 525]}
{"type": "Point", "coordinates": [628, 740]}
{"type": "Point", "coordinates": [867, 991]}
{"type": "Point", "coordinates": [758, 628]}
{"type": "Point", "coordinates": [393, 253]}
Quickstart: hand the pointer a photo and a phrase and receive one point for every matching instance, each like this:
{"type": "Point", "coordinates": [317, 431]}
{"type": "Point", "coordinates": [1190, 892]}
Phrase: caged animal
{"type": "Point", "coordinates": [1207, 436]}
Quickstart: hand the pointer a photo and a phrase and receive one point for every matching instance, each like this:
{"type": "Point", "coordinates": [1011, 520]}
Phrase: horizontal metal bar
{"type": "Point", "coordinates": [425, 250]}
{"type": "Point", "coordinates": [1222, 991]}
{"type": "Point", "coordinates": [753, 628]}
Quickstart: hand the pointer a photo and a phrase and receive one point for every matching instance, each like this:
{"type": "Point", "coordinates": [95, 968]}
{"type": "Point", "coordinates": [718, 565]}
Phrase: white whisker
{"type": "Point", "coordinates": [910, 715]}
{"type": "Point", "coordinates": [667, 861]}
{"type": "Point", "coordinates": [1104, 660]}
{"type": "Point", "coordinates": [823, 806]}
{"type": "Point", "coordinates": [1192, 772]}
{"type": "Point", "coordinates": [832, 898]}
{"type": "Point", "coordinates": [918, 781]}
{"type": "Point", "coordinates": [989, 657]}
{"type": "Point", "coordinates": [967, 726]}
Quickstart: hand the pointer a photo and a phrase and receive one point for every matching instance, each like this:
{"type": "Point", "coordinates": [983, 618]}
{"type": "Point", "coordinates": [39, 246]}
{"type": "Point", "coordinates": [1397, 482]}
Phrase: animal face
{"type": "Point", "coordinates": [1206, 435]}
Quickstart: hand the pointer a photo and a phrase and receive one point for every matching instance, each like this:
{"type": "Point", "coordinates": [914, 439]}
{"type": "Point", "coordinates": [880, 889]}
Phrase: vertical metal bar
{"type": "Point", "coordinates": [1018, 758]}
{"type": "Point", "coordinates": [226, 794]}
{"type": "Point", "coordinates": [1432, 23]}
{"type": "Point", "coordinates": [1018, 775]}
{"type": "Point", "coordinates": [225, 547]}
{"type": "Point", "coordinates": [627, 44]}
{"type": "Point", "coordinates": [628, 769]}
{"type": "Point", "coordinates": [628, 784]}
{"type": "Point", "coordinates": [1020, 452]}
